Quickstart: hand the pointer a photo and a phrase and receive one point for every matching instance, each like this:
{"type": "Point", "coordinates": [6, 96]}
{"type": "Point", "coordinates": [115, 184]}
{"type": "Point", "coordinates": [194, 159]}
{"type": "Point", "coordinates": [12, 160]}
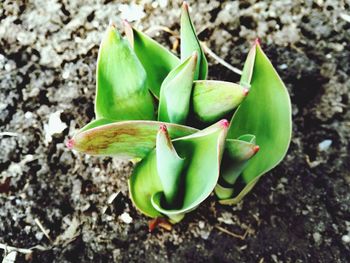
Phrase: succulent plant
{"type": "Point", "coordinates": [147, 101]}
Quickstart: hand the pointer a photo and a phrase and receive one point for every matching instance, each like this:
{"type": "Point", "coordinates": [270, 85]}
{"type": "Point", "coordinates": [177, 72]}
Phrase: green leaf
{"type": "Point", "coordinates": [156, 60]}
{"type": "Point", "coordinates": [96, 123]}
{"type": "Point", "coordinates": [248, 68]}
{"type": "Point", "coordinates": [175, 93]}
{"type": "Point", "coordinates": [143, 183]}
{"type": "Point", "coordinates": [213, 99]}
{"type": "Point", "coordinates": [266, 113]}
{"type": "Point", "coordinates": [202, 152]}
{"type": "Point", "coordinates": [190, 43]}
{"type": "Point", "coordinates": [237, 155]}
{"type": "Point", "coordinates": [125, 139]}
{"type": "Point", "coordinates": [169, 167]}
{"type": "Point", "coordinates": [121, 92]}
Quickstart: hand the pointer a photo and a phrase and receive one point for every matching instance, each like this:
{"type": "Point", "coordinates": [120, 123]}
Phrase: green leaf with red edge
{"type": "Point", "coordinates": [124, 139]}
{"type": "Point", "coordinates": [213, 99]}
{"type": "Point", "coordinates": [156, 60]}
{"type": "Point", "coordinates": [202, 152]}
{"type": "Point", "coordinates": [175, 92]}
{"type": "Point", "coordinates": [190, 43]}
{"type": "Point", "coordinates": [121, 90]}
{"type": "Point", "coordinates": [238, 153]}
{"type": "Point", "coordinates": [266, 113]}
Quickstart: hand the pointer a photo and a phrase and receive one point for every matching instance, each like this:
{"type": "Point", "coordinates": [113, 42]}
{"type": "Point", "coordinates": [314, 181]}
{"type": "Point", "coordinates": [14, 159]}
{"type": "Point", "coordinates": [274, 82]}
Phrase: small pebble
{"type": "Point", "coordinates": [39, 235]}
{"type": "Point", "coordinates": [324, 145]}
{"type": "Point", "coordinates": [345, 238]}
{"type": "Point", "coordinates": [201, 224]}
{"type": "Point", "coordinates": [317, 237]}
{"type": "Point", "coordinates": [126, 218]}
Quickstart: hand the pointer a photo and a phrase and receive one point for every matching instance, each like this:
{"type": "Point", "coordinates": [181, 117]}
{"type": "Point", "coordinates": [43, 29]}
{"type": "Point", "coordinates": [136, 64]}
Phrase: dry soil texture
{"type": "Point", "coordinates": [299, 212]}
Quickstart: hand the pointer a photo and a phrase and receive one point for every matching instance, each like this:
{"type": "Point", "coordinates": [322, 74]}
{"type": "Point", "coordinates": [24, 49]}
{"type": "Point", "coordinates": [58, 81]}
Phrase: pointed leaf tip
{"type": "Point", "coordinates": [70, 144]}
{"type": "Point", "coordinates": [257, 41]}
{"type": "Point", "coordinates": [185, 5]}
{"type": "Point", "coordinates": [163, 128]}
{"type": "Point", "coordinates": [256, 149]}
{"type": "Point", "coordinates": [190, 43]}
{"type": "Point", "coordinates": [245, 91]}
{"type": "Point", "coordinates": [224, 123]}
{"type": "Point", "coordinates": [175, 92]}
{"type": "Point", "coordinates": [128, 32]}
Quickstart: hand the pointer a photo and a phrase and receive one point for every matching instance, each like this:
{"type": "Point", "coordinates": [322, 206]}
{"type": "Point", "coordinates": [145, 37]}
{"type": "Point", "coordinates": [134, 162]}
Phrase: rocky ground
{"type": "Point", "coordinates": [60, 204]}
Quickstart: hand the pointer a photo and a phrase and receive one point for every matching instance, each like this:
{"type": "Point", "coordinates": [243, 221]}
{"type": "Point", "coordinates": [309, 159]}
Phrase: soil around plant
{"type": "Point", "coordinates": [70, 207]}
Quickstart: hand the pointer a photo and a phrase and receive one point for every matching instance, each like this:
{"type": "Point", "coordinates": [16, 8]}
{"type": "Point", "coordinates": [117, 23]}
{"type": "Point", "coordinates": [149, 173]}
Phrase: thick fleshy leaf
{"type": "Point", "coordinates": [96, 123]}
{"type": "Point", "coordinates": [238, 153]}
{"type": "Point", "coordinates": [125, 139]}
{"type": "Point", "coordinates": [121, 92]}
{"type": "Point", "coordinates": [202, 152]}
{"type": "Point", "coordinates": [169, 167]}
{"type": "Point", "coordinates": [248, 68]}
{"type": "Point", "coordinates": [143, 183]}
{"type": "Point", "coordinates": [156, 59]}
{"type": "Point", "coordinates": [213, 99]}
{"type": "Point", "coordinates": [175, 93]}
{"type": "Point", "coordinates": [266, 113]}
{"type": "Point", "coordinates": [190, 43]}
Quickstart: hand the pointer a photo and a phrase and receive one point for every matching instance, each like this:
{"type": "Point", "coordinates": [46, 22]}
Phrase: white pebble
{"type": "Point", "coordinates": [345, 238]}
{"type": "Point", "coordinates": [324, 145]}
{"type": "Point", "coordinates": [126, 218]}
{"type": "Point", "coordinates": [54, 126]}
{"type": "Point", "coordinates": [317, 237]}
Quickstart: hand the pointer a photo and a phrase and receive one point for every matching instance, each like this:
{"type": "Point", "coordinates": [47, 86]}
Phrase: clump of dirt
{"type": "Point", "coordinates": [75, 208]}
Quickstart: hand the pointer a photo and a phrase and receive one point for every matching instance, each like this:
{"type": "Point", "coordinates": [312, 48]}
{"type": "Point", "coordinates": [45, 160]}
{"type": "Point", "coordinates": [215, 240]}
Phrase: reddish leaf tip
{"type": "Point", "coordinates": [245, 91]}
{"type": "Point", "coordinates": [257, 41]}
{"type": "Point", "coordinates": [126, 23]}
{"type": "Point", "coordinates": [224, 123]}
{"type": "Point", "coordinates": [163, 128]}
{"type": "Point", "coordinates": [256, 148]}
{"type": "Point", "coordinates": [70, 144]}
{"type": "Point", "coordinates": [185, 5]}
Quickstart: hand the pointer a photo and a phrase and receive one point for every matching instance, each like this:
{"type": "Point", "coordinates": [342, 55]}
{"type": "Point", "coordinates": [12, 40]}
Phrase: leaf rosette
{"type": "Point", "coordinates": [161, 112]}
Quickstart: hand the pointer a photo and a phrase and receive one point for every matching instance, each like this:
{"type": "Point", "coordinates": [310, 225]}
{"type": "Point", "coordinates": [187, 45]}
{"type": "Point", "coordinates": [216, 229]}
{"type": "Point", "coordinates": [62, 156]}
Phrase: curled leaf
{"type": "Point", "coordinates": [169, 167]}
{"type": "Point", "coordinates": [156, 60]}
{"type": "Point", "coordinates": [190, 43]}
{"type": "Point", "coordinates": [237, 154]}
{"type": "Point", "coordinates": [143, 183]}
{"type": "Point", "coordinates": [121, 92]}
{"type": "Point", "coordinates": [213, 99]}
{"type": "Point", "coordinates": [175, 93]}
{"type": "Point", "coordinates": [202, 152]}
